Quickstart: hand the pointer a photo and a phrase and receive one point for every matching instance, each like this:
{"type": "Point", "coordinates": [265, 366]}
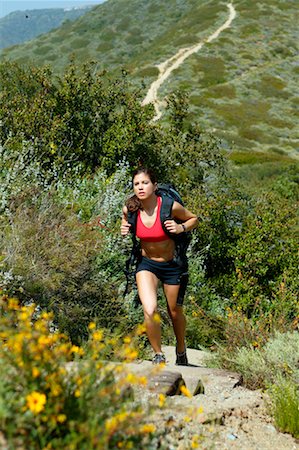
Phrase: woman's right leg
{"type": "Point", "coordinates": [147, 284]}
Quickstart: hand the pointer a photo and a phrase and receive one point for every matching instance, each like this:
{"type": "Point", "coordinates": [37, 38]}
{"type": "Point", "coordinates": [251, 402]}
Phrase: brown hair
{"type": "Point", "coordinates": [133, 203]}
{"type": "Point", "coordinates": [149, 172]}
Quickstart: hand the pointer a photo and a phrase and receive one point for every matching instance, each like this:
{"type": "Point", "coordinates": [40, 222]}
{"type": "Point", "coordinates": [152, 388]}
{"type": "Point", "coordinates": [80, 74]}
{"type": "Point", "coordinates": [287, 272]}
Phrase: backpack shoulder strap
{"type": "Point", "coordinates": [135, 252]}
{"type": "Point", "coordinates": [165, 212]}
{"type": "Point", "coordinates": [166, 208]}
{"type": "Point", "coordinates": [132, 220]}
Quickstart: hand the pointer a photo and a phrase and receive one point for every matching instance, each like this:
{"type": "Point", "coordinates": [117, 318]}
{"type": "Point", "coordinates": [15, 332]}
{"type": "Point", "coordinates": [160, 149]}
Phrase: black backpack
{"type": "Point", "coordinates": [169, 194]}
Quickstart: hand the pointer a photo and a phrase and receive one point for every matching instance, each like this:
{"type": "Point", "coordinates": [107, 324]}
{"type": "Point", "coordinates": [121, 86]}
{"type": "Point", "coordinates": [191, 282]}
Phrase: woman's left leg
{"type": "Point", "coordinates": [176, 314]}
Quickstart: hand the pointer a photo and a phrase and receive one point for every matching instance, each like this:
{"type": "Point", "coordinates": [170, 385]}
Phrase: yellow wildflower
{"type": "Point", "coordinates": [77, 393]}
{"type": "Point", "coordinates": [148, 428]}
{"type": "Point", "coordinates": [61, 418]}
{"type": "Point", "coordinates": [53, 148]}
{"type": "Point", "coordinates": [141, 329]}
{"type": "Point", "coordinates": [91, 326]}
{"type": "Point", "coordinates": [111, 424]}
{"type": "Point", "coordinates": [127, 340]}
{"type": "Point", "coordinates": [131, 378]}
{"type": "Point", "coordinates": [46, 315]}
{"type": "Point", "coordinates": [130, 354]}
{"type": "Point", "coordinates": [77, 350]}
{"type": "Point", "coordinates": [143, 381]}
{"type": "Point", "coordinates": [194, 443]}
{"type": "Point", "coordinates": [24, 315]}
{"type": "Point", "coordinates": [36, 402]}
{"type": "Point", "coordinates": [157, 318]}
{"type": "Point", "coordinates": [35, 372]}
{"type": "Point", "coordinates": [56, 389]}
{"type": "Point", "coordinates": [13, 303]}
{"type": "Point", "coordinates": [44, 341]}
{"type": "Point", "coordinates": [79, 381]}
{"type": "Point", "coordinates": [98, 335]}
{"type": "Point", "coordinates": [162, 399]}
{"type": "Point", "coordinates": [39, 325]}
{"type": "Point", "coordinates": [200, 410]}
{"type": "Point", "coordinates": [185, 391]}
{"type": "Point", "coordinates": [64, 348]}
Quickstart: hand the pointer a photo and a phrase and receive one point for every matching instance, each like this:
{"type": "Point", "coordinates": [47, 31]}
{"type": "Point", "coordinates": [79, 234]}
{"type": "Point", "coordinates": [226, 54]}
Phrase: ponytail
{"type": "Point", "coordinates": [133, 203]}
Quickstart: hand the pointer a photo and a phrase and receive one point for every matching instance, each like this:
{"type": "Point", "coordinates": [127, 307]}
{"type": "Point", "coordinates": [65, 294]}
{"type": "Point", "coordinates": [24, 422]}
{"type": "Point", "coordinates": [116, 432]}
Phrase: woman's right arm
{"type": "Point", "coordinates": [125, 226]}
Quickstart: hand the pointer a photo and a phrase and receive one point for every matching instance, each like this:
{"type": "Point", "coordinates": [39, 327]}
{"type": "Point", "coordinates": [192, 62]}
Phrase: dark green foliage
{"type": "Point", "coordinates": [80, 119]}
{"type": "Point", "coordinates": [265, 260]}
{"type": "Point", "coordinates": [203, 330]}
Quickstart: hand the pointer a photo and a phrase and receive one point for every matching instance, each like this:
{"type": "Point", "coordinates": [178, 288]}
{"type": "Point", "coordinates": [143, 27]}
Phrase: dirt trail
{"type": "Point", "coordinates": [228, 417]}
{"type": "Point", "coordinates": [166, 67]}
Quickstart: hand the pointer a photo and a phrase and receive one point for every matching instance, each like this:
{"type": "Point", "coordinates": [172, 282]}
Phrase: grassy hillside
{"type": "Point", "coordinates": [21, 26]}
{"type": "Point", "coordinates": [242, 86]}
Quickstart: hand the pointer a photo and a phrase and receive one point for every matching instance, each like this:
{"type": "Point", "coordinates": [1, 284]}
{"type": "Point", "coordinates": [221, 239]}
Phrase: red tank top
{"type": "Point", "coordinates": [154, 233]}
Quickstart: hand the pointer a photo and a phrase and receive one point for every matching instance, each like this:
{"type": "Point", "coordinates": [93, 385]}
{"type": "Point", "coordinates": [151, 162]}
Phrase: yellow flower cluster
{"type": "Point", "coordinates": [57, 377]}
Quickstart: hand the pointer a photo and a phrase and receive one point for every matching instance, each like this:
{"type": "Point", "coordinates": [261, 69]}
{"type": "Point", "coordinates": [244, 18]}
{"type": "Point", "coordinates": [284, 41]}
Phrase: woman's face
{"type": "Point", "coordinates": [143, 187]}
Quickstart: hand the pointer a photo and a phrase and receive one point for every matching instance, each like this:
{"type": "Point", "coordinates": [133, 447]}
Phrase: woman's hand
{"type": "Point", "coordinates": [173, 227]}
{"type": "Point", "coordinates": [125, 228]}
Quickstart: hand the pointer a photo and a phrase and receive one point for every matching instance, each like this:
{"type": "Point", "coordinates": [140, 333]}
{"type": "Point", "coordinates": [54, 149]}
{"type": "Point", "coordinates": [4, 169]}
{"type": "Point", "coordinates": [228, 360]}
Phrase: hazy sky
{"type": "Point", "coordinates": [7, 6]}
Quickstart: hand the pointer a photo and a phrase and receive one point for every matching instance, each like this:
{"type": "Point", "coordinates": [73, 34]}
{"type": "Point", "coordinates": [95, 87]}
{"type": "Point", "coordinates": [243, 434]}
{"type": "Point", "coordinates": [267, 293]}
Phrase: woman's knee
{"type": "Point", "coordinates": [149, 314]}
{"type": "Point", "coordinates": [176, 312]}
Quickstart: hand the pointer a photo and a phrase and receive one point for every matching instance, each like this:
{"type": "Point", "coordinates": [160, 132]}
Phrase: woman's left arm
{"type": "Point", "coordinates": [187, 218]}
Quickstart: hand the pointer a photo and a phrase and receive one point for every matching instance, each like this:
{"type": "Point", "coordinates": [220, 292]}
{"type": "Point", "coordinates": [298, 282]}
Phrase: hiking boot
{"type": "Point", "coordinates": [159, 358]}
{"type": "Point", "coordinates": [181, 358]}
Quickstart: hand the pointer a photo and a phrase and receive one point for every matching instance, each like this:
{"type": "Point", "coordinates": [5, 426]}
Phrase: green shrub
{"type": "Point", "coordinates": [284, 397]}
{"type": "Point", "coordinates": [265, 257]}
{"type": "Point", "coordinates": [58, 395]}
{"type": "Point", "coordinates": [52, 259]}
{"type": "Point", "coordinates": [81, 119]}
{"type": "Point", "coordinates": [204, 330]}
{"type": "Point", "coordinates": [263, 363]}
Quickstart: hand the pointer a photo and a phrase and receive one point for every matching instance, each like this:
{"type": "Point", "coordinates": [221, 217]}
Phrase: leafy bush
{"type": "Point", "coordinates": [58, 395]}
{"type": "Point", "coordinates": [263, 363]}
{"type": "Point", "coordinates": [81, 119]}
{"type": "Point", "coordinates": [203, 329]}
{"type": "Point", "coordinates": [52, 257]}
{"type": "Point", "coordinates": [265, 257]}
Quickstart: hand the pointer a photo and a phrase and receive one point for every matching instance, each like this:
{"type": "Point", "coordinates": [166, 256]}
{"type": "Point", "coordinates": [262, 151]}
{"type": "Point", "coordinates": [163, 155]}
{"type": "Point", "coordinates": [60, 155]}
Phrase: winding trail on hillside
{"type": "Point", "coordinates": [168, 66]}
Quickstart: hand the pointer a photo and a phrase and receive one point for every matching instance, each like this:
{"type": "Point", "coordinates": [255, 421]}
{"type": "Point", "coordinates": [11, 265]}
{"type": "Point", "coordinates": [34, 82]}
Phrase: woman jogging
{"type": "Point", "coordinates": [157, 260]}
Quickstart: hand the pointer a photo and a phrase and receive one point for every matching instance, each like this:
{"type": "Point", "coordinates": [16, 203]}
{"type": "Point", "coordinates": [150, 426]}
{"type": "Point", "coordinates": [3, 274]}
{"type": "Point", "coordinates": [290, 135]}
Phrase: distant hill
{"type": "Point", "coordinates": [242, 86]}
{"type": "Point", "coordinates": [21, 26]}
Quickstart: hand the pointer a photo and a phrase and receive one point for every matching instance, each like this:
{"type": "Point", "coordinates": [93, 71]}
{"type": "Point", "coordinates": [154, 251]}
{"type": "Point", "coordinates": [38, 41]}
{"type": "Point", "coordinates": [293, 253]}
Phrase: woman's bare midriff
{"type": "Point", "coordinates": [158, 251]}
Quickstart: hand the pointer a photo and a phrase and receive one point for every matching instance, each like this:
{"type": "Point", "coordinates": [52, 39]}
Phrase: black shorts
{"type": "Point", "coordinates": [168, 272]}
